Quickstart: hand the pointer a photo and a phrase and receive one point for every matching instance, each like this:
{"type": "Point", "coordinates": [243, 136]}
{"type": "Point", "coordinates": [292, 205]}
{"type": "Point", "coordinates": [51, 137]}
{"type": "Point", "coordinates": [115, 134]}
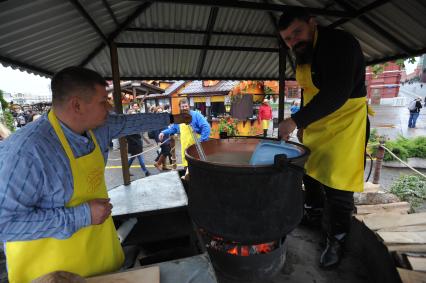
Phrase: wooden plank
{"type": "Point", "coordinates": [144, 275]}
{"type": "Point", "coordinates": [386, 207]}
{"type": "Point", "coordinates": [414, 228]}
{"type": "Point", "coordinates": [407, 248]}
{"type": "Point", "coordinates": [376, 222]}
{"type": "Point", "coordinates": [417, 263]}
{"type": "Point", "coordinates": [379, 214]}
{"type": "Point", "coordinates": [410, 276]}
{"type": "Point", "coordinates": [403, 237]}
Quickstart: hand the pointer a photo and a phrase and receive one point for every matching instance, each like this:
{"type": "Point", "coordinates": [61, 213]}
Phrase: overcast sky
{"type": "Point", "coordinates": [15, 81]}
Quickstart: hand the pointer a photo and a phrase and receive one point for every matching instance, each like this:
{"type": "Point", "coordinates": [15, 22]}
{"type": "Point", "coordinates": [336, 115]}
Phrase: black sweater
{"type": "Point", "coordinates": [338, 71]}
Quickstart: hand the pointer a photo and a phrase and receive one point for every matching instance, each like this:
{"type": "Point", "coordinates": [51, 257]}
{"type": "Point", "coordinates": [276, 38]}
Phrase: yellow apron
{"type": "Point", "coordinates": [265, 124]}
{"type": "Point", "coordinates": [336, 141]}
{"type": "Point", "coordinates": [186, 140]}
{"type": "Point", "coordinates": [92, 250]}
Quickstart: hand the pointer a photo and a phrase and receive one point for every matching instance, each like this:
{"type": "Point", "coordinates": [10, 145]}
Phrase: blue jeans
{"type": "Point", "coordinates": [412, 120]}
{"type": "Point", "coordinates": [141, 162]}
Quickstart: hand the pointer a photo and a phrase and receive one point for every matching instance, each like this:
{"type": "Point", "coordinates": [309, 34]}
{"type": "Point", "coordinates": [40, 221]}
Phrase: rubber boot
{"type": "Point", "coordinates": [333, 252]}
{"type": "Point", "coordinates": [312, 216]}
{"type": "Point", "coordinates": [265, 133]}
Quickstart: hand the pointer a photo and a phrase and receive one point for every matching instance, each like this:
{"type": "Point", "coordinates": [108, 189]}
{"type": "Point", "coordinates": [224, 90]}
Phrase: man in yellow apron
{"type": "Point", "coordinates": [54, 207]}
{"type": "Point", "coordinates": [199, 124]}
{"type": "Point", "coordinates": [333, 117]}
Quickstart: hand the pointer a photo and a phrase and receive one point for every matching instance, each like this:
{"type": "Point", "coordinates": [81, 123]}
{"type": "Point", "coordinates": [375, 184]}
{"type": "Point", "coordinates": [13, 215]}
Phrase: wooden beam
{"type": "Point", "coordinates": [195, 47]}
{"type": "Point", "coordinates": [376, 4]}
{"type": "Point", "coordinates": [89, 19]}
{"type": "Point", "coordinates": [187, 31]}
{"type": "Point", "coordinates": [210, 26]}
{"type": "Point", "coordinates": [111, 12]}
{"type": "Point", "coordinates": [236, 4]}
{"type": "Point", "coordinates": [389, 37]}
{"type": "Point", "coordinates": [119, 110]}
{"type": "Point", "coordinates": [115, 33]}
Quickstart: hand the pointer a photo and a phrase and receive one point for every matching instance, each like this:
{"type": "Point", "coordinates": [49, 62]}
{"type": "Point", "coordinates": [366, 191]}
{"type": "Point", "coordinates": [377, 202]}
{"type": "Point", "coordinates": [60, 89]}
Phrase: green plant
{"type": "Point", "coordinates": [4, 104]}
{"type": "Point", "coordinates": [8, 120]}
{"type": "Point", "coordinates": [374, 136]}
{"type": "Point", "coordinates": [229, 126]}
{"type": "Point", "coordinates": [411, 189]}
{"type": "Point", "coordinates": [405, 148]}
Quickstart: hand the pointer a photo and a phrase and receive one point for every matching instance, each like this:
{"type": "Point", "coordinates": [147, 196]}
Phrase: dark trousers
{"type": "Point", "coordinates": [337, 205]}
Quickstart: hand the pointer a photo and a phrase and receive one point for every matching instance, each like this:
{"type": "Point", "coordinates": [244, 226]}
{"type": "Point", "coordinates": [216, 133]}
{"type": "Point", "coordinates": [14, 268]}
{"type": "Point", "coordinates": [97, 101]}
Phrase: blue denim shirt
{"type": "Point", "coordinates": [36, 180]}
{"type": "Point", "coordinates": [198, 123]}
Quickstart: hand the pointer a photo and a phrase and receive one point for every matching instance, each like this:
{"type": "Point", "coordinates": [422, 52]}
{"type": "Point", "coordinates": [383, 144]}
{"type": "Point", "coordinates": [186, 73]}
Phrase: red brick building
{"type": "Point", "coordinates": [385, 84]}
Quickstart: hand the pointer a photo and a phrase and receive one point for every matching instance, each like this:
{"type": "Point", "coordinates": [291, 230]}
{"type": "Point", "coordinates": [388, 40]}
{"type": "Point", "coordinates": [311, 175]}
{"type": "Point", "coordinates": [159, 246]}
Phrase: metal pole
{"type": "Point", "coordinates": [119, 110]}
{"type": "Point", "coordinates": [379, 159]}
{"type": "Point", "coordinates": [173, 151]}
{"type": "Point", "coordinates": [282, 68]}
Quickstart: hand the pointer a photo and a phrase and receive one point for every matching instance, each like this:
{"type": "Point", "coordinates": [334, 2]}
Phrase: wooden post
{"type": "Point", "coordinates": [119, 110]}
{"type": "Point", "coordinates": [173, 151]}
{"type": "Point", "coordinates": [281, 68]}
{"type": "Point", "coordinates": [379, 159]}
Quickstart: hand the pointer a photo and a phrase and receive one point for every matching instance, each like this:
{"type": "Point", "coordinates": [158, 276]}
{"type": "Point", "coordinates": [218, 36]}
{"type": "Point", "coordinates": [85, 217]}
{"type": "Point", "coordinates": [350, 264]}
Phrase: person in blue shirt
{"type": "Point", "coordinates": [55, 212]}
{"type": "Point", "coordinates": [199, 124]}
{"type": "Point", "coordinates": [295, 107]}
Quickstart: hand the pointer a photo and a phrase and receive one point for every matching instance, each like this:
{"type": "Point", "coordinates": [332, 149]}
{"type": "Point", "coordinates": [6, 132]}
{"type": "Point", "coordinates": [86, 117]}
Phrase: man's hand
{"type": "Point", "coordinates": [285, 128]}
{"type": "Point", "coordinates": [182, 118]}
{"type": "Point", "coordinates": [100, 209]}
{"type": "Point", "coordinates": [161, 137]}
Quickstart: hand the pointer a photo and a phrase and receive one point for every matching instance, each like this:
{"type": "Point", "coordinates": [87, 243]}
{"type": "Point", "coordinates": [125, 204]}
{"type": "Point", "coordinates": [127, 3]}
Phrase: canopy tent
{"type": "Point", "coordinates": [192, 39]}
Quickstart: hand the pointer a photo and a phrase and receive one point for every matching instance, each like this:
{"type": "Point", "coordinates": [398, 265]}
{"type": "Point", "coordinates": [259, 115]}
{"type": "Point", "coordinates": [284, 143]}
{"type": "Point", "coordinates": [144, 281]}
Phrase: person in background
{"type": "Point", "coordinates": [295, 106]}
{"type": "Point", "coordinates": [414, 109]}
{"type": "Point", "coordinates": [167, 108]}
{"type": "Point", "coordinates": [330, 69]}
{"type": "Point", "coordinates": [199, 124]}
{"type": "Point", "coordinates": [58, 217]}
{"type": "Point", "coordinates": [135, 147]}
{"type": "Point", "coordinates": [265, 116]}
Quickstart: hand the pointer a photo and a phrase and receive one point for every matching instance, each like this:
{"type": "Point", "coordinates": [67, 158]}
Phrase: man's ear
{"type": "Point", "coordinates": [75, 104]}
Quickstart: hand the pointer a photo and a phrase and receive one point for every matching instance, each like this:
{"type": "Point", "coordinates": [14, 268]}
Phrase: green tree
{"type": "Point", "coordinates": [4, 104]}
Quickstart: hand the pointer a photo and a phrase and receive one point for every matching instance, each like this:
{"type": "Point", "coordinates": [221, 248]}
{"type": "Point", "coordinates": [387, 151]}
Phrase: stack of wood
{"type": "Point", "coordinates": [403, 234]}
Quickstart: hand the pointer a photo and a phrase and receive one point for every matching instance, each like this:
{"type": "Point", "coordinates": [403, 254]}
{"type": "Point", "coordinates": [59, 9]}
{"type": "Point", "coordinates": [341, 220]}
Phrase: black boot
{"type": "Point", "coordinates": [333, 252]}
{"type": "Point", "coordinates": [265, 133]}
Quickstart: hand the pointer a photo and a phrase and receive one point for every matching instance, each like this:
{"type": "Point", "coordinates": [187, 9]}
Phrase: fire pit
{"type": "Point", "coordinates": [244, 212]}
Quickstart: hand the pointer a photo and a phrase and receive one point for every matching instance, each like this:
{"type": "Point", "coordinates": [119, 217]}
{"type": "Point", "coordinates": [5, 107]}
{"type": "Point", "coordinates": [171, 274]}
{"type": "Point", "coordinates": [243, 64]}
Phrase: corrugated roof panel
{"type": "Point", "coordinates": [243, 41]}
{"type": "Point", "coordinates": [160, 38]}
{"type": "Point", "coordinates": [167, 15]}
{"type": "Point", "coordinates": [195, 87]}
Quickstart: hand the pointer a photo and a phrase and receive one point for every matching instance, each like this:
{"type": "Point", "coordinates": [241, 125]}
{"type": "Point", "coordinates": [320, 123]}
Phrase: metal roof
{"type": "Point", "coordinates": [192, 39]}
{"type": "Point", "coordinates": [196, 87]}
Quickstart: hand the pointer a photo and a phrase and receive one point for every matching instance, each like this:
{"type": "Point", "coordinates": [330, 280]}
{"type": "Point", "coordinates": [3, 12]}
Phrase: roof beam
{"type": "Point", "coordinates": [210, 25]}
{"type": "Point", "coordinates": [196, 77]}
{"type": "Point", "coordinates": [196, 47]}
{"type": "Point", "coordinates": [376, 4]}
{"type": "Point", "coordinates": [389, 37]}
{"type": "Point", "coordinates": [281, 42]}
{"type": "Point", "coordinates": [398, 56]}
{"type": "Point", "coordinates": [184, 31]}
{"type": "Point", "coordinates": [14, 63]}
{"type": "Point", "coordinates": [256, 6]}
{"type": "Point", "coordinates": [89, 19]}
{"type": "Point", "coordinates": [111, 12]}
{"type": "Point", "coordinates": [117, 32]}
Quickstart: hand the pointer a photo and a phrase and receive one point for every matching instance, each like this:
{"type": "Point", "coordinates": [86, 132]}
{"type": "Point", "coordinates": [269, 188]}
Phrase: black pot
{"type": "Point", "coordinates": [244, 203]}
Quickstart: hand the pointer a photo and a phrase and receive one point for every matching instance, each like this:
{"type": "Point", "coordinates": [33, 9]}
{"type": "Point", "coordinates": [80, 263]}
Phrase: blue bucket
{"type": "Point", "coordinates": [266, 150]}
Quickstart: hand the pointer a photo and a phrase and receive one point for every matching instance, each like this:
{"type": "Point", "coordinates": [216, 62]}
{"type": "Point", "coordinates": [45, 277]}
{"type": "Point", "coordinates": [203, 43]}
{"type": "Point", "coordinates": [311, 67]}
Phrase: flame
{"type": "Point", "coordinates": [245, 251]}
{"type": "Point", "coordinates": [233, 251]}
{"type": "Point", "coordinates": [264, 248]}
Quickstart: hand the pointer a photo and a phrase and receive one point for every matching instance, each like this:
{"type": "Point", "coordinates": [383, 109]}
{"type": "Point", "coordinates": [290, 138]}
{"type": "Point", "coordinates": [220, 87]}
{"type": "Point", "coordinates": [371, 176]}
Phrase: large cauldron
{"type": "Point", "coordinates": [244, 203]}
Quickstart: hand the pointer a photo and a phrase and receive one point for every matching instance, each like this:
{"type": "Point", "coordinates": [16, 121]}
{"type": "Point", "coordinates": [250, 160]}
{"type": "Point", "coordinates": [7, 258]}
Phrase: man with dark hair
{"type": "Point", "coordinates": [55, 212]}
{"type": "Point", "coordinates": [333, 118]}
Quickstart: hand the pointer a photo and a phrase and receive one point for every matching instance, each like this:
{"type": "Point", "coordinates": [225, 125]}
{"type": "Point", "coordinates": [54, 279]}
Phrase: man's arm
{"type": "Point", "coordinates": [123, 125]}
{"type": "Point", "coordinates": [201, 126]}
{"type": "Point", "coordinates": [338, 67]}
{"type": "Point", "coordinates": [25, 212]}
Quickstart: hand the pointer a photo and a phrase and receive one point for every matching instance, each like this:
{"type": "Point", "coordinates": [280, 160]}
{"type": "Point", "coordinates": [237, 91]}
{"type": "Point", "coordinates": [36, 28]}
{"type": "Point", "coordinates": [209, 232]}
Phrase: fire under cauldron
{"type": "Point", "coordinates": [244, 212]}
